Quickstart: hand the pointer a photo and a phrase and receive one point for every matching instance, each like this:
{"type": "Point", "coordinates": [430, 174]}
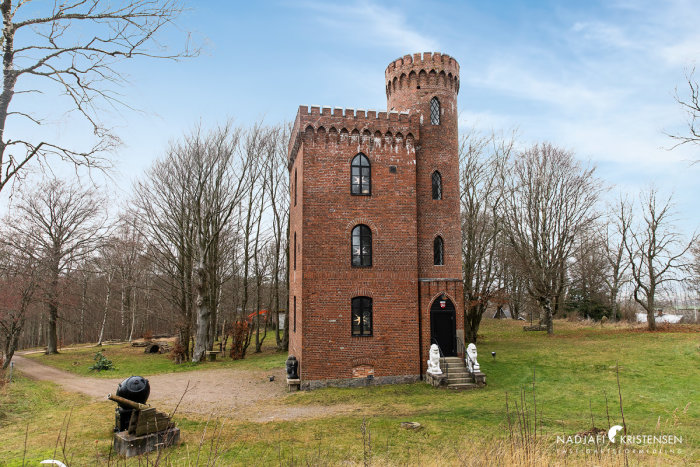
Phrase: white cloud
{"type": "Point", "coordinates": [369, 23]}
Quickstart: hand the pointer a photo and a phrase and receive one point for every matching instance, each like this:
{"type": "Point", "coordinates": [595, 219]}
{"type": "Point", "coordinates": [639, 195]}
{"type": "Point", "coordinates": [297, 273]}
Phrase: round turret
{"type": "Point", "coordinates": [426, 85]}
{"type": "Point", "coordinates": [413, 80]}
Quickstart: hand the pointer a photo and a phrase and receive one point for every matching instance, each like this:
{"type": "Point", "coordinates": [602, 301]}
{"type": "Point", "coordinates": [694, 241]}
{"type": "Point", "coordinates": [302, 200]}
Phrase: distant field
{"type": "Point", "coordinates": [575, 370]}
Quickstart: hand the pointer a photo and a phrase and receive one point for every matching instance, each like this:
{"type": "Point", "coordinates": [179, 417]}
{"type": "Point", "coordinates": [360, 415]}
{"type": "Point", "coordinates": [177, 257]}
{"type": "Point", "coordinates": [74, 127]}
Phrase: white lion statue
{"type": "Point", "coordinates": [472, 364]}
{"type": "Point", "coordinates": [434, 360]}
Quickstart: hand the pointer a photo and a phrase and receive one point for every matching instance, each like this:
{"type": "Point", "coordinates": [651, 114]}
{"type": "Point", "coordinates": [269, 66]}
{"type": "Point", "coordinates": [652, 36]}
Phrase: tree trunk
{"type": "Point", "coordinates": [104, 314]}
{"type": "Point", "coordinates": [547, 308]}
{"type": "Point", "coordinates": [203, 309]}
{"type": "Point", "coordinates": [83, 300]}
{"type": "Point", "coordinates": [52, 344]}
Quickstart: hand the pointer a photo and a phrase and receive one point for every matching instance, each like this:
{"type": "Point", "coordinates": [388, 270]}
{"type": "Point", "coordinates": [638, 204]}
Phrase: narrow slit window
{"type": "Point", "coordinates": [295, 314]}
{"type": "Point", "coordinates": [360, 176]}
{"type": "Point", "coordinates": [295, 187]}
{"type": "Point", "coordinates": [295, 251]}
{"type": "Point", "coordinates": [434, 111]}
{"type": "Point", "coordinates": [437, 185]}
{"type": "Point", "coordinates": [438, 252]}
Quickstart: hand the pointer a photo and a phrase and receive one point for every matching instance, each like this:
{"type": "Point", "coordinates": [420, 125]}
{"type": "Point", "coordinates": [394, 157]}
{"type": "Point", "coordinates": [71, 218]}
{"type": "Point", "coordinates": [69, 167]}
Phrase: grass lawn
{"type": "Point", "coordinates": [575, 370]}
{"type": "Point", "coordinates": [130, 360]}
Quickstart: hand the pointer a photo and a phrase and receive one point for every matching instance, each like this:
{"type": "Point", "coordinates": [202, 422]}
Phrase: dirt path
{"type": "Point", "coordinates": [232, 393]}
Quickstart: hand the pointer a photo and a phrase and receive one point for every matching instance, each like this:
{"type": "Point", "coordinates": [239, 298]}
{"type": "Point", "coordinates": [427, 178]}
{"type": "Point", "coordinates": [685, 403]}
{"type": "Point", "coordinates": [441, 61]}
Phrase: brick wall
{"type": "Point", "coordinates": [404, 150]}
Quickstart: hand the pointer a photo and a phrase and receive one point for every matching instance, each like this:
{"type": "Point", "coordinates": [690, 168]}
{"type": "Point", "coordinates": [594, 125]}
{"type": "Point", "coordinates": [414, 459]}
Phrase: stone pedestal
{"type": "Point", "coordinates": [130, 445]}
{"type": "Point", "coordinates": [436, 380]}
{"type": "Point", "coordinates": [479, 378]}
{"type": "Point", "coordinates": [293, 384]}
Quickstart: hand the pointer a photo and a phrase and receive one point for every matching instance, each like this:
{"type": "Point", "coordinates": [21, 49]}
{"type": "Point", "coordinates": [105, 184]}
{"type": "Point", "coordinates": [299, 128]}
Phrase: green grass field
{"type": "Point", "coordinates": [130, 360]}
{"type": "Point", "coordinates": [575, 370]}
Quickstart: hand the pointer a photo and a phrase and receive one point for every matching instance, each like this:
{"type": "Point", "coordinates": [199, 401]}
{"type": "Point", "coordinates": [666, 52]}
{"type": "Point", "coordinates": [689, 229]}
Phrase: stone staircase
{"type": "Point", "coordinates": [457, 375]}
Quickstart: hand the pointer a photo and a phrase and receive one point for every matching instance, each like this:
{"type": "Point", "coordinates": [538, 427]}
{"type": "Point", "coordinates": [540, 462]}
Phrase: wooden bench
{"type": "Point", "coordinates": [211, 355]}
{"type": "Point", "coordinates": [293, 383]}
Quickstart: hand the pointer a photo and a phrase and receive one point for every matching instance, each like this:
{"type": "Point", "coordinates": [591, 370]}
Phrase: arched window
{"type": "Point", "coordinates": [361, 246]}
{"type": "Point", "coordinates": [360, 176]}
{"type": "Point", "coordinates": [361, 316]}
{"type": "Point", "coordinates": [438, 252]}
{"type": "Point", "coordinates": [434, 111]}
{"type": "Point", "coordinates": [437, 185]}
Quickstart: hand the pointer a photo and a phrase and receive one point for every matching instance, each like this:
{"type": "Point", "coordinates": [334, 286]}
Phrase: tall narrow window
{"type": "Point", "coordinates": [295, 251]}
{"type": "Point", "coordinates": [295, 313]}
{"type": "Point", "coordinates": [360, 175]}
{"type": "Point", "coordinates": [362, 316]}
{"type": "Point", "coordinates": [361, 246]}
{"type": "Point", "coordinates": [438, 252]}
{"type": "Point", "coordinates": [434, 111]}
{"type": "Point", "coordinates": [437, 185]}
{"type": "Point", "coordinates": [295, 187]}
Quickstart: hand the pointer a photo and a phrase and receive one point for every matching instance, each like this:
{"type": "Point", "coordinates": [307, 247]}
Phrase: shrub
{"type": "Point", "coordinates": [102, 362]}
{"type": "Point", "coordinates": [239, 339]}
{"type": "Point", "coordinates": [148, 335]}
{"type": "Point", "coordinates": [178, 354]}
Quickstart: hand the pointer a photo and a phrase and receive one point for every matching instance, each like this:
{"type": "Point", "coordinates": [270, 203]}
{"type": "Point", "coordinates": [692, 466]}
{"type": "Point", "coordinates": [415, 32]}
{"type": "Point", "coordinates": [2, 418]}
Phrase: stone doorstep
{"type": "Point", "coordinates": [129, 445]}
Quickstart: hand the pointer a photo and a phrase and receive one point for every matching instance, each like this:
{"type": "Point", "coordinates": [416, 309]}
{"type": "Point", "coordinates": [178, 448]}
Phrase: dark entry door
{"type": "Point", "coordinates": [443, 326]}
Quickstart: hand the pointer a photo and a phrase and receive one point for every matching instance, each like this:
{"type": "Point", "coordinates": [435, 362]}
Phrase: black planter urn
{"type": "Point", "coordinates": [292, 367]}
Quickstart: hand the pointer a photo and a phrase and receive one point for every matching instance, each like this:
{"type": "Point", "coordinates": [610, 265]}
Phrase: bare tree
{"type": "Point", "coordinates": [657, 253]}
{"type": "Point", "coordinates": [588, 276]}
{"type": "Point", "coordinates": [616, 236]}
{"type": "Point", "coordinates": [105, 266]}
{"type": "Point", "coordinates": [482, 160]}
{"type": "Point", "coordinates": [549, 201]}
{"type": "Point", "coordinates": [162, 204]}
{"type": "Point", "coordinates": [128, 251]}
{"type": "Point", "coordinates": [72, 49]}
{"type": "Point", "coordinates": [276, 179]}
{"type": "Point", "coordinates": [19, 276]}
{"type": "Point", "coordinates": [221, 174]}
{"type": "Point", "coordinates": [64, 221]}
{"type": "Point", "coordinates": [691, 105]}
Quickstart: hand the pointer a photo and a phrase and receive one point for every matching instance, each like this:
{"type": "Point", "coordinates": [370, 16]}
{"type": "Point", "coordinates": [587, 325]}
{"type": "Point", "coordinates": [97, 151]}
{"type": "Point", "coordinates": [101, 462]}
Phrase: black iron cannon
{"type": "Point", "coordinates": [135, 389]}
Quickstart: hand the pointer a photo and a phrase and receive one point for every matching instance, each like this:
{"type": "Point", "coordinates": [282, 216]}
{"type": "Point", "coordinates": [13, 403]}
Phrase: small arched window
{"type": "Point", "coordinates": [438, 252]}
{"type": "Point", "coordinates": [360, 175]}
{"type": "Point", "coordinates": [361, 316]}
{"type": "Point", "coordinates": [437, 185]}
{"type": "Point", "coordinates": [361, 246]}
{"type": "Point", "coordinates": [434, 111]}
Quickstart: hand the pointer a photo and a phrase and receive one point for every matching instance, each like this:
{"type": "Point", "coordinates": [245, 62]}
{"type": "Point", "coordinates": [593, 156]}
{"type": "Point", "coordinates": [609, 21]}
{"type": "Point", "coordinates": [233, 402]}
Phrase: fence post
{"type": "Point", "coordinates": [12, 366]}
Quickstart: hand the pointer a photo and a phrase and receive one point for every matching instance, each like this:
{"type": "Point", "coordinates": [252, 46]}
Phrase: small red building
{"type": "Point", "coordinates": [375, 239]}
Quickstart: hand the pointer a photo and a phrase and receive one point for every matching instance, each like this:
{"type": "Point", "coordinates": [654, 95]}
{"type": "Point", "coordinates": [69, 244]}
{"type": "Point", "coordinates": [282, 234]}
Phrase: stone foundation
{"type": "Point", "coordinates": [358, 382]}
{"type": "Point", "coordinates": [129, 445]}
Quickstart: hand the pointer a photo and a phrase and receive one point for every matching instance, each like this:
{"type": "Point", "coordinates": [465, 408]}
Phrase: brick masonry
{"type": "Point", "coordinates": [404, 149]}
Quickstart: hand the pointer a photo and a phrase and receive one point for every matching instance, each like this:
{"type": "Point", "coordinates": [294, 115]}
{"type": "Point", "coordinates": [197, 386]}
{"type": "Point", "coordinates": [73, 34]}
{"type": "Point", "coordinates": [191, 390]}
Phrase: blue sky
{"type": "Point", "coordinates": [597, 78]}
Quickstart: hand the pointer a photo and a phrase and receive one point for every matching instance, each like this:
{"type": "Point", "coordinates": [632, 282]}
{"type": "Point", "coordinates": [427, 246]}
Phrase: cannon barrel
{"type": "Point", "coordinates": [127, 403]}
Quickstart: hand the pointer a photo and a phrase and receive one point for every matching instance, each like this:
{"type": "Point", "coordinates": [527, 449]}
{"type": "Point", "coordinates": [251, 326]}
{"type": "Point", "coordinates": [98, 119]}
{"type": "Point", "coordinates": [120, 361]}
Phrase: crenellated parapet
{"type": "Point", "coordinates": [326, 125]}
{"type": "Point", "coordinates": [429, 69]}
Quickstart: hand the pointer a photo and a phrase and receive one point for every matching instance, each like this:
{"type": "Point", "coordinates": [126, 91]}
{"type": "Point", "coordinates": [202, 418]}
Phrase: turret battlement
{"type": "Point", "coordinates": [429, 69]}
{"type": "Point", "coordinates": [352, 126]}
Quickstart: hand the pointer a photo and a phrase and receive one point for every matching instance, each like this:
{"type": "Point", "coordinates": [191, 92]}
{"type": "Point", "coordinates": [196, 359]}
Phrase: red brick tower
{"type": "Point", "coordinates": [427, 86]}
{"type": "Point", "coordinates": [375, 257]}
